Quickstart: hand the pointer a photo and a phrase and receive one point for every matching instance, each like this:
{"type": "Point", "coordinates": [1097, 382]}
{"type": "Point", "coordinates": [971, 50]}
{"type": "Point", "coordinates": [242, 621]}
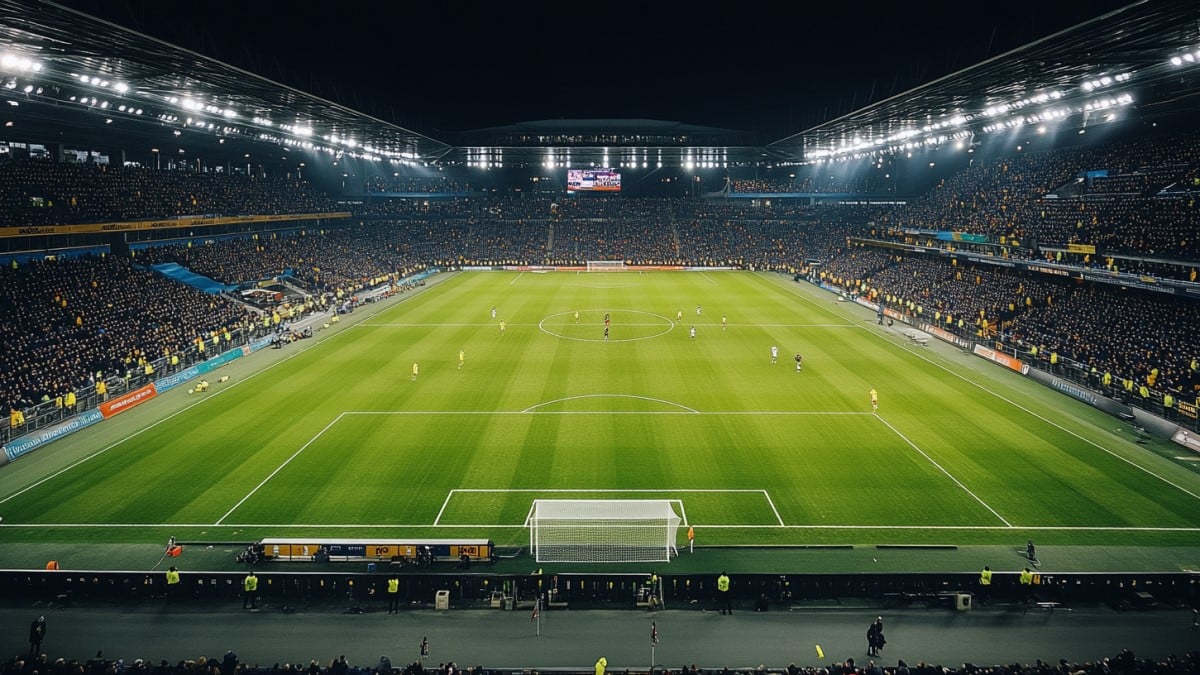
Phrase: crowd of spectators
{"type": "Point", "coordinates": [1140, 336]}
{"type": "Point", "coordinates": [345, 258]}
{"type": "Point", "coordinates": [44, 192]}
{"type": "Point", "coordinates": [430, 184]}
{"type": "Point", "coordinates": [1047, 197]}
{"type": "Point", "coordinates": [813, 181]}
{"type": "Point", "coordinates": [1124, 663]}
{"type": "Point", "coordinates": [68, 320]}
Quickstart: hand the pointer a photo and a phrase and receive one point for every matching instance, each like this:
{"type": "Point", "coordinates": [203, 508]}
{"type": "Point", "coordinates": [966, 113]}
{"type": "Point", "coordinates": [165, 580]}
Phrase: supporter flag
{"type": "Point", "coordinates": [653, 633]}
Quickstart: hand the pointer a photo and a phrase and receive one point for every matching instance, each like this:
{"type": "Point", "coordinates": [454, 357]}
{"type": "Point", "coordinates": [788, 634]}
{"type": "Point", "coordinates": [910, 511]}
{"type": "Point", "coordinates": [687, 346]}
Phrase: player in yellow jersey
{"type": "Point", "coordinates": [874, 400]}
{"type": "Point", "coordinates": [502, 328]}
{"type": "Point", "coordinates": [416, 369]}
{"type": "Point", "coordinates": [462, 357]}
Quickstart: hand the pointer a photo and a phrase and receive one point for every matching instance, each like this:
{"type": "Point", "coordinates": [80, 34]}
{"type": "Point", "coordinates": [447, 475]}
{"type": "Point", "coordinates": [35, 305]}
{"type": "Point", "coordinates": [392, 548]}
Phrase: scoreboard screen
{"type": "Point", "coordinates": [593, 180]}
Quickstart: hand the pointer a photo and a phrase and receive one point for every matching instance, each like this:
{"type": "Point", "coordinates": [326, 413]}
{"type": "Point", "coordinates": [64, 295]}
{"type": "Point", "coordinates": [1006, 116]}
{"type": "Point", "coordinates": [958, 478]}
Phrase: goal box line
{"type": "Point", "coordinates": [549, 492]}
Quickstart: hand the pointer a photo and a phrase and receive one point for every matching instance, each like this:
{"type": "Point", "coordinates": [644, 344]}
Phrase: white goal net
{"type": "Point", "coordinates": [606, 265]}
{"type": "Point", "coordinates": [603, 530]}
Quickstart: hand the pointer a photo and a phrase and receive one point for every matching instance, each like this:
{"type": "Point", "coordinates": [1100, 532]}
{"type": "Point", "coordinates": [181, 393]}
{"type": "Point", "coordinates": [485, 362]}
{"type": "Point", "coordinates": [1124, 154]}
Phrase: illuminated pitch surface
{"type": "Point", "coordinates": [338, 439]}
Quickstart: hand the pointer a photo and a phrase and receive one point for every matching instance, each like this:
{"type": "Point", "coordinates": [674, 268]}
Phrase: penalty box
{"type": "Point", "coordinates": [510, 507]}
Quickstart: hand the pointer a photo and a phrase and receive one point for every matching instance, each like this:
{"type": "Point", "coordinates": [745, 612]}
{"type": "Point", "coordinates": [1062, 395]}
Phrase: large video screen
{"type": "Point", "coordinates": [593, 180]}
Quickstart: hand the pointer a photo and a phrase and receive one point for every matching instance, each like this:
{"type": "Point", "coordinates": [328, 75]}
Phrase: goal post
{"type": "Point", "coordinates": [603, 530]}
{"type": "Point", "coordinates": [606, 266]}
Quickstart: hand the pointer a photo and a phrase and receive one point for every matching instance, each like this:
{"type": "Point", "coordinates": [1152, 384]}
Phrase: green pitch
{"type": "Point", "coordinates": [336, 438]}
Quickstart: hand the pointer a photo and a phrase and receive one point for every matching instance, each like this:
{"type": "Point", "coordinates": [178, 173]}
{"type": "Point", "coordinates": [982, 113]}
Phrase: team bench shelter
{"type": "Point", "coordinates": [419, 552]}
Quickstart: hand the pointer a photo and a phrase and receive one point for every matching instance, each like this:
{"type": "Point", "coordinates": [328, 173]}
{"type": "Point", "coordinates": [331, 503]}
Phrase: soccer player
{"type": "Point", "coordinates": [416, 369]}
{"type": "Point", "coordinates": [606, 333]}
{"type": "Point", "coordinates": [679, 315]}
{"type": "Point", "coordinates": [774, 353]}
{"type": "Point", "coordinates": [692, 333]}
{"type": "Point", "coordinates": [502, 327]}
{"type": "Point", "coordinates": [874, 400]}
{"type": "Point", "coordinates": [697, 310]}
{"type": "Point", "coordinates": [493, 312]}
{"type": "Point", "coordinates": [724, 322]}
{"type": "Point", "coordinates": [462, 357]}
{"type": "Point", "coordinates": [576, 316]}
{"type": "Point", "coordinates": [799, 362]}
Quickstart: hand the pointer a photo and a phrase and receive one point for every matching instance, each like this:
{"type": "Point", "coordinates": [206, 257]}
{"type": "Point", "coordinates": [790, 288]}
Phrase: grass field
{"type": "Point", "coordinates": [336, 438]}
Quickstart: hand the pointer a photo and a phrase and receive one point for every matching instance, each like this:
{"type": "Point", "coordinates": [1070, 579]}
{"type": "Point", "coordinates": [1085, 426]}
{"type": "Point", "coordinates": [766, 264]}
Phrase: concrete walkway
{"type": "Point", "coordinates": [497, 639]}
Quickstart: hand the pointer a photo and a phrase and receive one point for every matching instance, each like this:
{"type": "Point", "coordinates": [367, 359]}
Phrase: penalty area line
{"type": "Point", "coordinates": [943, 470]}
{"type": "Point", "coordinates": [279, 468]}
{"type": "Point", "coordinates": [443, 509]}
{"type": "Point", "coordinates": [772, 504]}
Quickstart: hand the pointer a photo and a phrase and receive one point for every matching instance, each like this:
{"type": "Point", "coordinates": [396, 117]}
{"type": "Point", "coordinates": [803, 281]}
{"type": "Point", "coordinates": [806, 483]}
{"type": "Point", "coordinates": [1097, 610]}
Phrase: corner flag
{"type": "Point", "coordinates": [534, 616]}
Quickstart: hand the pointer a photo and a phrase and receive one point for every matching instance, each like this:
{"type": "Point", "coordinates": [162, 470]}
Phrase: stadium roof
{"type": "Point", "coordinates": [1144, 57]}
{"type": "Point", "coordinates": [59, 65]}
{"type": "Point", "coordinates": [55, 55]}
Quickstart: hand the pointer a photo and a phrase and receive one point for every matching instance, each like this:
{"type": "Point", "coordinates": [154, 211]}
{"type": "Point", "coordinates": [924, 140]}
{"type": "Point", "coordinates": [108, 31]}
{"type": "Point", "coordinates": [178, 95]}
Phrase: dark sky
{"type": "Point", "coordinates": [436, 66]}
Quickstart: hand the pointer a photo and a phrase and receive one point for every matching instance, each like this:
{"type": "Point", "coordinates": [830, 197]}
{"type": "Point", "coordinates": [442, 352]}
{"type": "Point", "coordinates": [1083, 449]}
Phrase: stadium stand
{"type": "Point", "coordinates": [43, 192]}
{"type": "Point", "coordinates": [1133, 200]}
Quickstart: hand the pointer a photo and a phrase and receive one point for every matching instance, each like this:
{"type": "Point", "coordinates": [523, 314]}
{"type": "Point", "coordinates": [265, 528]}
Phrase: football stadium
{"type": "Point", "coordinates": [609, 390]}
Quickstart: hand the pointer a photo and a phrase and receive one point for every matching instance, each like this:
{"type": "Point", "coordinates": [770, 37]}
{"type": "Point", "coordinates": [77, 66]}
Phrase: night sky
{"type": "Point", "coordinates": [437, 66]}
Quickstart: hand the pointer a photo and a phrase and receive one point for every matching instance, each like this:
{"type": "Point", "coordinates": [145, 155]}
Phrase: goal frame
{"type": "Point", "coordinates": [652, 526]}
{"type": "Point", "coordinates": [607, 266]}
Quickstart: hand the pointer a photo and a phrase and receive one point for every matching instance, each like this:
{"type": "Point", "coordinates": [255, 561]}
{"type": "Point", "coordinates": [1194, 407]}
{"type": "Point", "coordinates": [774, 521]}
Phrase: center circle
{"type": "Point", "coordinates": [624, 325]}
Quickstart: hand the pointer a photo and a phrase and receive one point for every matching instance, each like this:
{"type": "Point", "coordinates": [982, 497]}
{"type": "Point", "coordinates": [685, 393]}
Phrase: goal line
{"type": "Point", "coordinates": [480, 506]}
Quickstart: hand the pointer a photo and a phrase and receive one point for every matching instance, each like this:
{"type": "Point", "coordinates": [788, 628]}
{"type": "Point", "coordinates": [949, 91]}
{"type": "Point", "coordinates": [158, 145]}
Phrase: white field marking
{"type": "Point", "coordinates": [670, 325]}
{"type": "Point", "coordinates": [279, 468]}
{"type": "Point", "coordinates": [633, 396]}
{"type": "Point", "coordinates": [685, 411]}
{"type": "Point", "coordinates": [619, 490]}
{"type": "Point", "coordinates": [510, 323]}
{"type": "Point", "coordinates": [1038, 528]}
{"type": "Point", "coordinates": [683, 513]}
{"type": "Point", "coordinates": [710, 279]}
{"type": "Point", "coordinates": [515, 278]}
{"type": "Point", "coordinates": [443, 509]}
{"type": "Point", "coordinates": [1018, 406]}
{"type": "Point", "coordinates": [218, 392]}
{"type": "Point", "coordinates": [943, 470]}
{"type": "Point", "coordinates": [772, 503]}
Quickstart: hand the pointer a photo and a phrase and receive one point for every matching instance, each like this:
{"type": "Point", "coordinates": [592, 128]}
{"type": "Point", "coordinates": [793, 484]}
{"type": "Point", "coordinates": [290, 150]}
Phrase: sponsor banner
{"type": "Point", "coordinates": [1186, 409]}
{"type": "Point", "coordinates": [868, 304]}
{"type": "Point", "coordinates": [261, 343]}
{"type": "Point", "coordinates": [1079, 393]}
{"type": "Point", "coordinates": [20, 446]}
{"type": "Point", "coordinates": [898, 316]}
{"type": "Point", "coordinates": [1002, 359]}
{"type": "Point", "coordinates": [171, 223]}
{"type": "Point", "coordinates": [963, 237]}
{"type": "Point", "coordinates": [1046, 269]}
{"type": "Point", "coordinates": [1188, 439]}
{"type": "Point", "coordinates": [220, 360]}
{"type": "Point", "coordinates": [175, 379]}
{"type": "Point", "coordinates": [125, 402]}
{"type": "Point", "coordinates": [945, 336]}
